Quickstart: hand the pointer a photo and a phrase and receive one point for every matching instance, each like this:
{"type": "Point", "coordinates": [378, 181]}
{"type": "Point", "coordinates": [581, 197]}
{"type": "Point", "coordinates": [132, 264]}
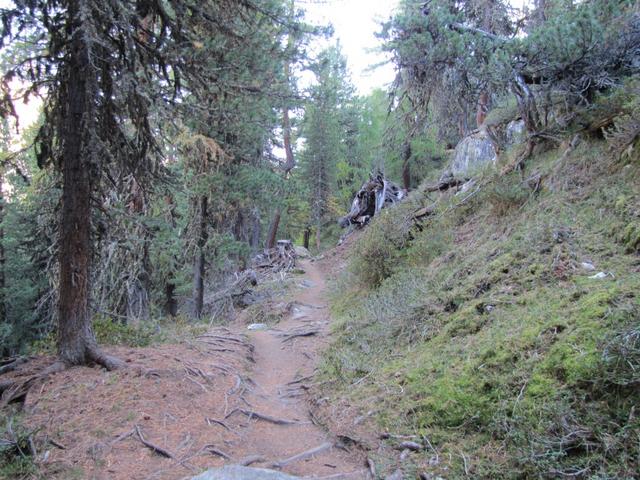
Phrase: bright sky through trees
{"type": "Point", "coordinates": [355, 23]}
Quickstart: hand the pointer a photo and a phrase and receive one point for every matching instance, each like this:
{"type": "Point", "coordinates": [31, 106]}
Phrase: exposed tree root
{"type": "Point", "coordinates": [215, 451]}
{"type": "Point", "coordinates": [262, 416]}
{"type": "Point", "coordinates": [155, 448]}
{"type": "Point", "coordinates": [17, 390]}
{"type": "Point", "coordinates": [107, 361]}
{"type": "Point", "coordinates": [11, 364]}
{"type": "Point", "coordinates": [251, 459]}
{"type": "Point", "coordinates": [218, 422]}
{"type": "Point", "coordinates": [301, 456]}
{"type": "Point", "coordinates": [299, 333]}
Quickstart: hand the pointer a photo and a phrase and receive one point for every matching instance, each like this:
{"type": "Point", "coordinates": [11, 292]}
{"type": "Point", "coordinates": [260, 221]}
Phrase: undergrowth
{"type": "Point", "coordinates": [136, 335]}
{"type": "Point", "coordinates": [484, 332]}
{"type": "Point", "coordinates": [16, 448]}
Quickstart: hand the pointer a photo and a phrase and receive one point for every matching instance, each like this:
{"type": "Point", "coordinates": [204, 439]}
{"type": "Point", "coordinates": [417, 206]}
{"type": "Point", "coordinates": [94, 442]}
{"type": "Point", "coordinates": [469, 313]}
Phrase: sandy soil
{"type": "Point", "coordinates": [230, 396]}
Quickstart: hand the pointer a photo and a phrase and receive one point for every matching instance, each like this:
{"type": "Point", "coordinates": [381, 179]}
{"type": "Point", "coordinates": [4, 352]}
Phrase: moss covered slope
{"type": "Point", "coordinates": [484, 333]}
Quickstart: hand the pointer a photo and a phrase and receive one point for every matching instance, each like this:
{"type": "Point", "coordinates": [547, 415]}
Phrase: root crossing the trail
{"type": "Point", "coordinates": [276, 430]}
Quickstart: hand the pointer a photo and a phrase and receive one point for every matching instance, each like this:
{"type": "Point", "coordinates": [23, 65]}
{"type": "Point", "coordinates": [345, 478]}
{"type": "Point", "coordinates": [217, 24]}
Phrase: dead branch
{"type": "Point", "coordinates": [444, 184]}
{"type": "Point", "coordinates": [155, 448]}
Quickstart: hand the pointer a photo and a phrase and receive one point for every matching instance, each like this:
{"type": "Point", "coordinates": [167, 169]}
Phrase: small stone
{"type": "Point", "coordinates": [397, 475]}
{"type": "Point", "coordinates": [414, 446]}
{"type": "Point", "coordinates": [302, 252]}
{"type": "Point", "coordinates": [599, 276]}
{"type": "Point", "coordinates": [257, 326]}
{"type": "Point", "coordinates": [588, 266]}
{"type": "Point", "coordinates": [236, 472]}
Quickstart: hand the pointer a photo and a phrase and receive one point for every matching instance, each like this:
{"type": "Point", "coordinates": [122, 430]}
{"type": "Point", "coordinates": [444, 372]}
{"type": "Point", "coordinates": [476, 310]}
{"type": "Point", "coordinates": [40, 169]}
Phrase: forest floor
{"type": "Point", "coordinates": [229, 396]}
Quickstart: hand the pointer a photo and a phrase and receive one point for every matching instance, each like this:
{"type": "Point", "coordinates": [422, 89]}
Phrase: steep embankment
{"type": "Point", "coordinates": [501, 333]}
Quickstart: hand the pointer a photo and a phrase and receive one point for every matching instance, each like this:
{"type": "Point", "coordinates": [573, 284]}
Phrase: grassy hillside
{"type": "Point", "coordinates": [482, 332]}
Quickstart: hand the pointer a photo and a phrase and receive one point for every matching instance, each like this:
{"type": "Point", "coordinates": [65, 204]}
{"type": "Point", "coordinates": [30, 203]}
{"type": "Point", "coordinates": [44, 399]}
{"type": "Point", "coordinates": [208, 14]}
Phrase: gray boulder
{"type": "Point", "coordinates": [515, 132]}
{"type": "Point", "coordinates": [471, 154]}
{"type": "Point", "coordinates": [302, 252]}
{"type": "Point", "coordinates": [236, 472]}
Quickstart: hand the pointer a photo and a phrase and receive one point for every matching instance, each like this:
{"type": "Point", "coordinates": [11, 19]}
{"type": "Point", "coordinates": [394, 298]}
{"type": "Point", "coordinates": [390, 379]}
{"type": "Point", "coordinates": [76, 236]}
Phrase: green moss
{"type": "Point", "coordinates": [485, 328]}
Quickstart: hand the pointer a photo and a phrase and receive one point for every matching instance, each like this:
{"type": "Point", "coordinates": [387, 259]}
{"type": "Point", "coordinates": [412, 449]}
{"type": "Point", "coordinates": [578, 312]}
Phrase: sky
{"type": "Point", "coordinates": [355, 23]}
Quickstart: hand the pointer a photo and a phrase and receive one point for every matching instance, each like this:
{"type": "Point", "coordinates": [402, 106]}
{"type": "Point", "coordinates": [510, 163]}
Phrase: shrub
{"type": "Point", "coordinates": [506, 194]}
{"type": "Point", "coordinates": [379, 249]}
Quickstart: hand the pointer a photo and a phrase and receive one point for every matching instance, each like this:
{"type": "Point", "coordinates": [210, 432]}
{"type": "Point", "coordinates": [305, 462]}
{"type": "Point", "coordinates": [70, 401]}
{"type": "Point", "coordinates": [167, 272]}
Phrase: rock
{"type": "Point", "coordinates": [516, 132]}
{"type": "Point", "coordinates": [601, 275]}
{"type": "Point", "coordinates": [472, 153]}
{"type": "Point", "coordinates": [302, 252]}
{"type": "Point", "coordinates": [236, 472]}
{"type": "Point", "coordinates": [257, 326]}
{"type": "Point", "coordinates": [414, 446]}
{"type": "Point", "coordinates": [466, 186]}
{"type": "Point", "coordinates": [397, 475]}
{"type": "Point", "coordinates": [588, 266]}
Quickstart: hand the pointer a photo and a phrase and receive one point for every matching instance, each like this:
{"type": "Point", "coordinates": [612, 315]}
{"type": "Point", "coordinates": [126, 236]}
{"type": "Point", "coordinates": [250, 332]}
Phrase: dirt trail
{"type": "Point", "coordinates": [283, 370]}
{"type": "Point", "coordinates": [227, 396]}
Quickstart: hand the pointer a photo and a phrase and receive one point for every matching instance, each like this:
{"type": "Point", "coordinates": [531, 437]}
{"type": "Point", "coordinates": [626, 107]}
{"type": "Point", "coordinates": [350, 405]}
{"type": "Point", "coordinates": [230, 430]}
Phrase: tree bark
{"type": "Point", "coordinates": [76, 341]}
{"type": "Point", "coordinates": [305, 240]}
{"type": "Point", "coordinates": [406, 165]}
{"type": "Point", "coordinates": [3, 304]}
{"type": "Point", "coordinates": [273, 229]}
{"type": "Point", "coordinates": [199, 263]}
{"type": "Point", "coordinates": [171, 304]}
{"type": "Point", "coordinates": [482, 108]}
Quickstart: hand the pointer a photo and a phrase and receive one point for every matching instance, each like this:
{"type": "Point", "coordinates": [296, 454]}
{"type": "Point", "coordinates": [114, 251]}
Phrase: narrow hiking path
{"type": "Point", "coordinates": [286, 358]}
{"type": "Point", "coordinates": [224, 396]}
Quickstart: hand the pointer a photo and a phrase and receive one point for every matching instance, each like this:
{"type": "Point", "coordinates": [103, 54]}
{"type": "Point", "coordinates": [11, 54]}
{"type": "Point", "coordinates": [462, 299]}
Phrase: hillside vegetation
{"type": "Point", "coordinates": [487, 329]}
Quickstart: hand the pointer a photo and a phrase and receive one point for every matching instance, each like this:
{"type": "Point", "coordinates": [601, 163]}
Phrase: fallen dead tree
{"type": "Point", "coordinates": [372, 197]}
{"type": "Point", "coordinates": [280, 258]}
{"type": "Point", "coordinates": [240, 289]}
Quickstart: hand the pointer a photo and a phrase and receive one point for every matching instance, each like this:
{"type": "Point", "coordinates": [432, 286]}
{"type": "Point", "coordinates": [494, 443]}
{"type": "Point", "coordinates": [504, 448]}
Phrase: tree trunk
{"type": "Point", "coordinates": [286, 132]}
{"type": "Point", "coordinates": [305, 240]}
{"type": "Point", "coordinates": [482, 109]}
{"type": "Point", "coordinates": [74, 331]}
{"type": "Point", "coordinates": [256, 232]}
{"type": "Point", "coordinates": [76, 341]}
{"type": "Point", "coordinates": [3, 305]}
{"type": "Point", "coordinates": [318, 237]}
{"type": "Point", "coordinates": [199, 264]}
{"type": "Point", "coordinates": [406, 165]}
{"type": "Point", "coordinates": [138, 291]}
{"type": "Point", "coordinates": [273, 229]}
{"type": "Point", "coordinates": [171, 304]}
